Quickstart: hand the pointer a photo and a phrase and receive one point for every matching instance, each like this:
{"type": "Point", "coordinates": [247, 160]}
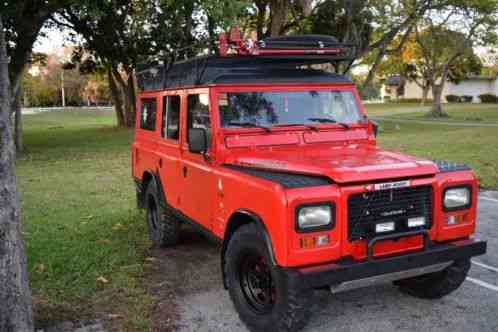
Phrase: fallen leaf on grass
{"type": "Point", "coordinates": [117, 227]}
{"type": "Point", "coordinates": [114, 316]}
{"type": "Point", "coordinates": [102, 280]}
{"type": "Point", "coordinates": [39, 268]}
{"type": "Point", "coordinates": [104, 241]}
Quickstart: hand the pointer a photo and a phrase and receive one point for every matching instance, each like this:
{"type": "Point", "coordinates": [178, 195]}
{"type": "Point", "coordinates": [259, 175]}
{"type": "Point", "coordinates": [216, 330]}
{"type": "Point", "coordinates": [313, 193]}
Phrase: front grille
{"type": "Point", "coordinates": [367, 209]}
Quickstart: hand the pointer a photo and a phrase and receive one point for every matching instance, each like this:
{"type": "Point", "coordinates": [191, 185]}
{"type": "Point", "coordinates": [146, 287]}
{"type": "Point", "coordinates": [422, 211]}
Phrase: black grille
{"type": "Point", "coordinates": [398, 205]}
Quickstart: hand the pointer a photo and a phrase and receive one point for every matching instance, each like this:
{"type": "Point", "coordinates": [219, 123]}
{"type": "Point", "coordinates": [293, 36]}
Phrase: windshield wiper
{"type": "Point", "coordinates": [249, 125]}
{"type": "Point", "coordinates": [314, 128]}
{"type": "Point", "coordinates": [327, 120]}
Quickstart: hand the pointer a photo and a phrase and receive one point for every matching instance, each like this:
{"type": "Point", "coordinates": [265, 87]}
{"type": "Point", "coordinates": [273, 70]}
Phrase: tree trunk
{"type": "Point", "coordinates": [371, 73]}
{"type": "Point", "coordinates": [17, 107]}
{"type": "Point", "coordinates": [425, 93]}
{"type": "Point", "coordinates": [128, 90]}
{"type": "Point", "coordinates": [279, 9]}
{"type": "Point", "coordinates": [116, 97]}
{"type": "Point", "coordinates": [15, 296]}
{"type": "Point", "coordinates": [437, 108]}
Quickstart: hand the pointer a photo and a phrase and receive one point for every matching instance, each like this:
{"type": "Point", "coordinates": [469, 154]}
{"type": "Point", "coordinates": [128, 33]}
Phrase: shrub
{"type": "Point", "coordinates": [467, 99]}
{"type": "Point", "coordinates": [453, 99]}
{"type": "Point", "coordinates": [488, 98]}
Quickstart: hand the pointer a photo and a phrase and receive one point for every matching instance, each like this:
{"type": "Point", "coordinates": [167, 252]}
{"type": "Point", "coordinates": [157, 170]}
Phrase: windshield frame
{"type": "Point", "coordinates": [248, 88]}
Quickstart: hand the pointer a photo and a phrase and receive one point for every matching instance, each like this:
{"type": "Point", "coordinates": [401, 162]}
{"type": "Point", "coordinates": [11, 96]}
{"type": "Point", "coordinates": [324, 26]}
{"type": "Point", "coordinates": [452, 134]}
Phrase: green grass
{"type": "Point", "coordinates": [456, 112]}
{"type": "Point", "coordinates": [393, 108]}
{"type": "Point", "coordinates": [80, 219]}
{"type": "Point", "coordinates": [475, 146]}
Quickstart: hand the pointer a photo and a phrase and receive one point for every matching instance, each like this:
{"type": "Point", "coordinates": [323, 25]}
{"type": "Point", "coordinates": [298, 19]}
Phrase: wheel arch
{"type": "Point", "coordinates": [147, 177]}
{"type": "Point", "coordinates": [237, 219]}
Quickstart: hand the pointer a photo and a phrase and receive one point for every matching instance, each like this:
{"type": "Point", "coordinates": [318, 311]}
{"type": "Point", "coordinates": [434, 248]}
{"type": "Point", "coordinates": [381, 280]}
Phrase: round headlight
{"type": "Point", "coordinates": [314, 216]}
{"type": "Point", "coordinates": [455, 198]}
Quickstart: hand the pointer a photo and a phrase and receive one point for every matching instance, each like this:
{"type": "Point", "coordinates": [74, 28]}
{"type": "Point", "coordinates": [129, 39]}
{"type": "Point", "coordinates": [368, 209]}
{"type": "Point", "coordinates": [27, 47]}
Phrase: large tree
{"type": "Point", "coordinates": [373, 25]}
{"type": "Point", "coordinates": [23, 21]}
{"type": "Point", "coordinates": [442, 49]}
{"type": "Point", "coordinates": [15, 295]}
{"type": "Point", "coordinates": [119, 35]}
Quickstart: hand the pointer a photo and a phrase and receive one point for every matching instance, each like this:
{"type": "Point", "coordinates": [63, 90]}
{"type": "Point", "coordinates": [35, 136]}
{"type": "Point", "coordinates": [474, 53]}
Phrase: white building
{"type": "Point", "coordinates": [397, 88]}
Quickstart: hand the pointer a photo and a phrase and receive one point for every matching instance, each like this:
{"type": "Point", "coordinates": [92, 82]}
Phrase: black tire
{"type": "Point", "coordinates": [438, 284]}
{"type": "Point", "coordinates": [282, 308]}
{"type": "Point", "coordinates": [164, 227]}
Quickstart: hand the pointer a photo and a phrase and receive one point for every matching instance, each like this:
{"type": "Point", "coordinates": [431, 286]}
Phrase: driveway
{"type": "Point", "coordinates": [193, 299]}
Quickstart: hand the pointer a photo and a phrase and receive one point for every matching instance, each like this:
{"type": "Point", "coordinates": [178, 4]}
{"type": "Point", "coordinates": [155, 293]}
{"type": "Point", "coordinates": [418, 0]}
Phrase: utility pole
{"type": "Point", "coordinates": [62, 89]}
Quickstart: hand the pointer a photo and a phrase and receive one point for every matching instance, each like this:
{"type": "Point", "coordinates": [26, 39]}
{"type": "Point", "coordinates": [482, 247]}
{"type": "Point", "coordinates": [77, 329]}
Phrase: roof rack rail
{"type": "Point", "coordinates": [291, 56]}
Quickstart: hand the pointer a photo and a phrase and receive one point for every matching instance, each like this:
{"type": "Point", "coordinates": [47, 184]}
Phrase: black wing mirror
{"type": "Point", "coordinates": [197, 140]}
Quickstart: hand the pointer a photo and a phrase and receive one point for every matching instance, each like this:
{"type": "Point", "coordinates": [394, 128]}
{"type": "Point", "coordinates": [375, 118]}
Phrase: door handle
{"type": "Point", "coordinates": [184, 171]}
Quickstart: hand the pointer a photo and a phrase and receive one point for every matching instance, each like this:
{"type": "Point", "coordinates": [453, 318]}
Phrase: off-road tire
{"type": "Point", "coordinates": [438, 284]}
{"type": "Point", "coordinates": [291, 308]}
{"type": "Point", "coordinates": [163, 226]}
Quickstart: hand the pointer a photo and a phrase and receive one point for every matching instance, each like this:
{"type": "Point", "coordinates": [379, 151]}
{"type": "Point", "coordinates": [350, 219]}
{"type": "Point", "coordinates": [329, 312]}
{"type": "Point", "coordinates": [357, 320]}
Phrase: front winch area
{"type": "Point", "coordinates": [392, 211]}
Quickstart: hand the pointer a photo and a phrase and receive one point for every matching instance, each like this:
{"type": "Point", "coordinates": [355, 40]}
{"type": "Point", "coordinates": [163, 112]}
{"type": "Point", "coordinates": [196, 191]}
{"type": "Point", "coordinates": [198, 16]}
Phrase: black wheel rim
{"type": "Point", "coordinates": [257, 283]}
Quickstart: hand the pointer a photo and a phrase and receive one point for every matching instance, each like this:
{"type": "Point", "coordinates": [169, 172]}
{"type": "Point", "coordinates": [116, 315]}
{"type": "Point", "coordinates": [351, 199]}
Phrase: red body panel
{"type": "Point", "coordinates": [211, 193]}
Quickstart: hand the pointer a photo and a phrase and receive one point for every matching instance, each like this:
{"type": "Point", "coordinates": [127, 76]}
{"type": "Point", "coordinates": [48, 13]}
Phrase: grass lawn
{"type": "Point", "coordinates": [457, 112]}
{"type": "Point", "coordinates": [85, 238]}
{"type": "Point", "coordinates": [475, 146]}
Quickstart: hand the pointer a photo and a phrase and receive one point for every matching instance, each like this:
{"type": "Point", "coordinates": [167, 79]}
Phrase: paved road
{"type": "Point", "coordinates": [201, 303]}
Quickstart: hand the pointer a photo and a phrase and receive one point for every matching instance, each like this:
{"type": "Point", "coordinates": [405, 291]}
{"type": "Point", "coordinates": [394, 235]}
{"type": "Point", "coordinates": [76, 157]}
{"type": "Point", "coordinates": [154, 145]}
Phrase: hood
{"type": "Point", "coordinates": [358, 163]}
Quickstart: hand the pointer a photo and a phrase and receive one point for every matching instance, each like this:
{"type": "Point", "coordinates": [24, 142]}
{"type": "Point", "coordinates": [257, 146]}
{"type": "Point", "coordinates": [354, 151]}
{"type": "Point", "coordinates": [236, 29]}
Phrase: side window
{"type": "Point", "coordinates": [198, 113]}
{"type": "Point", "coordinates": [148, 114]}
{"type": "Point", "coordinates": [171, 117]}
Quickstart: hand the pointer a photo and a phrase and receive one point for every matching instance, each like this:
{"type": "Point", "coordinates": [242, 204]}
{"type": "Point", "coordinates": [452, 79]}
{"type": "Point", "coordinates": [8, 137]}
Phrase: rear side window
{"type": "Point", "coordinates": [148, 114]}
{"type": "Point", "coordinates": [171, 117]}
{"type": "Point", "coordinates": [198, 113]}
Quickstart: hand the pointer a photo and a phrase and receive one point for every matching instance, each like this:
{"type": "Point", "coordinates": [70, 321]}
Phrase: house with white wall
{"type": "Point", "coordinates": [395, 87]}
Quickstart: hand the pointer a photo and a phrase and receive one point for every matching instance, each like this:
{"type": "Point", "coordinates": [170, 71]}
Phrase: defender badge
{"type": "Point", "coordinates": [388, 185]}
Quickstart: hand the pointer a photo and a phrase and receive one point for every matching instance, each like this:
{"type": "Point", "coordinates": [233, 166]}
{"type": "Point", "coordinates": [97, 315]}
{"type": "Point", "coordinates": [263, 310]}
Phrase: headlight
{"type": "Point", "coordinates": [457, 198]}
{"type": "Point", "coordinates": [314, 217]}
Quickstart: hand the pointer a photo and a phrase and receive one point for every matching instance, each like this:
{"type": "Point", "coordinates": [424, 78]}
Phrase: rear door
{"type": "Point", "coordinates": [197, 172]}
{"type": "Point", "coordinates": [168, 148]}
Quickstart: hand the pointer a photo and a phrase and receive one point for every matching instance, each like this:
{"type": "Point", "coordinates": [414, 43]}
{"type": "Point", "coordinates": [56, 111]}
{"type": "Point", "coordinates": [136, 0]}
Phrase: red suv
{"type": "Point", "coordinates": [279, 163]}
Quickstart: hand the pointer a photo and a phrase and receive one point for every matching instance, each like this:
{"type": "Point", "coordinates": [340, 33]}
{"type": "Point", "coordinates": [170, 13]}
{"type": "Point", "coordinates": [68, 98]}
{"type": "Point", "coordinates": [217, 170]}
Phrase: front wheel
{"type": "Point", "coordinates": [438, 284]}
{"type": "Point", "coordinates": [262, 300]}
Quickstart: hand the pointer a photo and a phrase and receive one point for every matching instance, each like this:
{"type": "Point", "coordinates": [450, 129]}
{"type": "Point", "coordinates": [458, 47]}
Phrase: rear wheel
{"type": "Point", "coordinates": [438, 284]}
{"type": "Point", "coordinates": [164, 227]}
{"type": "Point", "coordinates": [263, 301]}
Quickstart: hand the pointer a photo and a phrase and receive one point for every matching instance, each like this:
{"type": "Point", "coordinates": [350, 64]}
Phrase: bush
{"type": "Point", "coordinates": [453, 99]}
{"type": "Point", "coordinates": [488, 98]}
{"type": "Point", "coordinates": [467, 99]}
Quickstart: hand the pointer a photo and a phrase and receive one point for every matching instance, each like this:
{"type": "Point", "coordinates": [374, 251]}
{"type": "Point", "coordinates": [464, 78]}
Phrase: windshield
{"type": "Point", "coordinates": [267, 109]}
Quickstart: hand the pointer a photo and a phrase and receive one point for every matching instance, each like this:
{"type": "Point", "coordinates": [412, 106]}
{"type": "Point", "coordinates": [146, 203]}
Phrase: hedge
{"type": "Point", "coordinates": [488, 98]}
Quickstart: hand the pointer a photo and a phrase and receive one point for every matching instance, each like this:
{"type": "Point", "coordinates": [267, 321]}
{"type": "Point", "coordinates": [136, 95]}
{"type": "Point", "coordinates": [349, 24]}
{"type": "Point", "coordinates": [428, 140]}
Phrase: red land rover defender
{"type": "Point", "coordinates": [279, 163]}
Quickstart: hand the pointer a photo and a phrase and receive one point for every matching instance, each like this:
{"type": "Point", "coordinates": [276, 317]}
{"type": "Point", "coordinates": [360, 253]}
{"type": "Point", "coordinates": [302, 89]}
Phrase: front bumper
{"type": "Point", "coordinates": [337, 273]}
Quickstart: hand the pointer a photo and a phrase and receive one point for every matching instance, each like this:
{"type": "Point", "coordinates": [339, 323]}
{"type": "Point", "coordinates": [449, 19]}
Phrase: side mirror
{"type": "Point", "coordinates": [375, 127]}
{"type": "Point", "coordinates": [197, 140]}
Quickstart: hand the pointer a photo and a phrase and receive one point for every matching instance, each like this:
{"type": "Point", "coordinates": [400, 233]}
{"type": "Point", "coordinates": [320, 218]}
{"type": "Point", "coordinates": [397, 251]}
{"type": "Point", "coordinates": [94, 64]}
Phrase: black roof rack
{"type": "Point", "coordinates": [274, 59]}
